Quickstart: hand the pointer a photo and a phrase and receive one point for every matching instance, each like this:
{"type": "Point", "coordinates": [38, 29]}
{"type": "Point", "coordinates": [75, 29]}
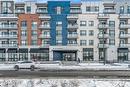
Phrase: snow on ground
{"type": "Point", "coordinates": [80, 66]}
{"type": "Point", "coordinates": [64, 83]}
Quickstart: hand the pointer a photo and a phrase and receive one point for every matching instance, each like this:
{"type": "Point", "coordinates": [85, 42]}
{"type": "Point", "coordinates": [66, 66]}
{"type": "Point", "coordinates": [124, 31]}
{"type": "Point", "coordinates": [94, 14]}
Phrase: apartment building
{"type": "Point", "coordinates": [92, 30]}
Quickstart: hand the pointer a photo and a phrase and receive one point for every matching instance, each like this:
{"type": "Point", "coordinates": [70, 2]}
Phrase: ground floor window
{"type": "Point", "coordinates": [2, 56]}
{"type": "Point", "coordinates": [12, 57]}
{"type": "Point", "coordinates": [122, 56]}
{"type": "Point", "coordinates": [88, 54]}
{"type": "Point", "coordinates": [102, 54]}
{"type": "Point", "coordinates": [40, 56]}
{"type": "Point", "coordinates": [23, 56]}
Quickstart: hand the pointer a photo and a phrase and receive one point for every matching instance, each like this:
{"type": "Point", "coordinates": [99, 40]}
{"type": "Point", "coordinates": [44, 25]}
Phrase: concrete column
{"type": "Point", "coordinates": [80, 54]}
{"type": "Point", "coordinates": [96, 54]}
{"type": "Point", "coordinates": [50, 55]}
{"type": "Point", "coordinates": [29, 58]}
{"type": "Point", "coordinates": [6, 56]}
{"type": "Point", "coordinates": [129, 55]}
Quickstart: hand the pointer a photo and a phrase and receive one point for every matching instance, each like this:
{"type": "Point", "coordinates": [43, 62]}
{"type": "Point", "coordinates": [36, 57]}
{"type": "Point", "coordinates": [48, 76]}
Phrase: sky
{"type": "Point", "coordinates": [48, 0]}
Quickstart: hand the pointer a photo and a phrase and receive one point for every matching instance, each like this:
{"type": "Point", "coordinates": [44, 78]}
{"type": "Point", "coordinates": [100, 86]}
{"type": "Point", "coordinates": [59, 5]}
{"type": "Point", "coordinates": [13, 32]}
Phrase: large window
{"type": "Point", "coordinates": [128, 9]}
{"type": "Point", "coordinates": [58, 10]}
{"type": "Point", "coordinates": [28, 9]}
{"type": "Point", "coordinates": [58, 32]}
{"type": "Point", "coordinates": [82, 32]}
{"type": "Point", "coordinates": [6, 7]}
{"type": "Point", "coordinates": [91, 23]}
{"type": "Point", "coordinates": [96, 8]}
{"type": "Point", "coordinates": [34, 25]}
{"type": "Point", "coordinates": [91, 32]}
{"type": "Point", "coordinates": [82, 23]}
{"type": "Point", "coordinates": [24, 24]}
{"type": "Point", "coordinates": [121, 9]}
{"type": "Point", "coordinates": [12, 57]}
{"type": "Point", "coordinates": [88, 9]}
{"type": "Point", "coordinates": [91, 42]}
{"type": "Point", "coordinates": [88, 54]}
{"type": "Point", "coordinates": [83, 42]}
{"type": "Point", "coordinates": [112, 23]}
{"type": "Point", "coordinates": [111, 41]}
{"type": "Point", "coordinates": [2, 56]}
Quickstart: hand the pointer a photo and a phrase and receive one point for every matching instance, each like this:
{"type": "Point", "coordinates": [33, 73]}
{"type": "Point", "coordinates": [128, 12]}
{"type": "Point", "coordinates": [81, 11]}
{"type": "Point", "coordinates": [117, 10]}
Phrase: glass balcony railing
{"type": "Point", "coordinates": [8, 45]}
{"type": "Point", "coordinates": [8, 26]}
{"type": "Point", "coordinates": [8, 15]}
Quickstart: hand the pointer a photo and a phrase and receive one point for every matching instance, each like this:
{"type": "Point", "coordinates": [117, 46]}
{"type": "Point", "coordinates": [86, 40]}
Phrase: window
{"type": "Point", "coordinates": [91, 23]}
{"type": "Point", "coordinates": [23, 42]}
{"type": "Point", "coordinates": [46, 33]}
{"type": "Point", "coordinates": [58, 32]}
{"type": "Point", "coordinates": [91, 32]}
{"type": "Point", "coordinates": [58, 10]}
{"type": "Point", "coordinates": [112, 33]}
{"type": "Point", "coordinates": [87, 54]}
{"type": "Point", "coordinates": [24, 24]}
{"type": "Point", "coordinates": [83, 42]}
{"type": "Point", "coordinates": [34, 42]}
{"type": "Point", "coordinates": [91, 42]}
{"type": "Point", "coordinates": [28, 9]}
{"type": "Point", "coordinates": [111, 41]}
{"type": "Point", "coordinates": [82, 32]}
{"type": "Point", "coordinates": [121, 9]}
{"type": "Point", "coordinates": [128, 9]}
{"type": "Point", "coordinates": [112, 23]}
{"type": "Point", "coordinates": [58, 42]}
{"type": "Point", "coordinates": [82, 23]}
{"type": "Point", "coordinates": [34, 32]}
{"type": "Point", "coordinates": [24, 33]}
{"type": "Point", "coordinates": [34, 25]}
{"type": "Point", "coordinates": [59, 23]}
{"type": "Point", "coordinates": [96, 8]}
{"type": "Point", "coordinates": [88, 9]}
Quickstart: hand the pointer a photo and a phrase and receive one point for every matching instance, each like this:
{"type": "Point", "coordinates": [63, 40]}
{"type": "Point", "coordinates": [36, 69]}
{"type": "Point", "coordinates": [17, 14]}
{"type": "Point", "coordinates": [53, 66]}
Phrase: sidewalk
{"type": "Point", "coordinates": [80, 66]}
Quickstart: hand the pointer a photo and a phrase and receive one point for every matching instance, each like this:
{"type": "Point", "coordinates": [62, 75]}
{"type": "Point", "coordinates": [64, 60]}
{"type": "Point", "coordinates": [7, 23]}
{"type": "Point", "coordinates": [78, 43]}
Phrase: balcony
{"type": "Point", "coordinates": [8, 45]}
{"type": "Point", "coordinates": [8, 16]}
{"type": "Point", "coordinates": [72, 44]}
{"type": "Point", "coordinates": [103, 45]}
{"type": "Point", "coordinates": [19, 11]}
{"type": "Point", "coordinates": [41, 11]}
{"type": "Point", "coordinates": [8, 26]}
{"type": "Point", "coordinates": [125, 26]}
{"type": "Point", "coordinates": [45, 16]}
{"type": "Point", "coordinates": [126, 16]}
{"type": "Point", "coordinates": [70, 26]}
{"type": "Point", "coordinates": [44, 36]}
{"type": "Point", "coordinates": [44, 27]}
{"type": "Point", "coordinates": [124, 36]}
{"type": "Point", "coordinates": [72, 16]}
{"type": "Point", "coordinates": [8, 36]}
{"type": "Point", "coordinates": [75, 11]}
{"type": "Point", "coordinates": [103, 16]}
{"type": "Point", "coordinates": [103, 26]}
{"type": "Point", "coordinates": [101, 36]}
{"type": "Point", "coordinates": [109, 11]}
{"type": "Point", "coordinates": [127, 45]}
{"type": "Point", "coordinates": [74, 35]}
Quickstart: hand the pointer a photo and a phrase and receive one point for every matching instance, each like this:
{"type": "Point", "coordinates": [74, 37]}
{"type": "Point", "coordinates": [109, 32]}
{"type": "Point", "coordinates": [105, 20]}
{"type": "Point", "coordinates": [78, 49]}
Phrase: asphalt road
{"type": "Point", "coordinates": [66, 73]}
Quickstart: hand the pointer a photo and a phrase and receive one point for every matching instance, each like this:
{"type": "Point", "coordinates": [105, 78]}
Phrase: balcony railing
{"type": "Point", "coordinates": [124, 25]}
{"type": "Point", "coordinates": [19, 11]}
{"type": "Point", "coordinates": [72, 16]}
{"type": "Point", "coordinates": [124, 35]}
{"type": "Point", "coordinates": [44, 36]}
{"type": "Point", "coordinates": [106, 16]}
{"type": "Point", "coordinates": [103, 36]}
{"type": "Point", "coordinates": [8, 26]}
{"type": "Point", "coordinates": [8, 36]}
{"type": "Point", "coordinates": [44, 16]}
{"type": "Point", "coordinates": [8, 16]}
{"type": "Point", "coordinates": [75, 35]}
{"type": "Point", "coordinates": [103, 26]}
{"type": "Point", "coordinates": [109, 10]}
{"type": "Point", "coordinates": [8, 45]}
{"type": "Point", "coordinates": [72, 26]}
{"type": "Point", "coordinates": [75, 11]}
{"type": "Point", "coordinates": [127, 45]}
{"type": "Point", "coordinates": [106, 45]}
{"type": "Point", "coordinates": [124, 16]}
{"type": "Point", "coordinates": [72, 44]}
{"type": "Point", "coordinates": [44, 26]}
{"type": "Point", "coordinates": [41, 11]}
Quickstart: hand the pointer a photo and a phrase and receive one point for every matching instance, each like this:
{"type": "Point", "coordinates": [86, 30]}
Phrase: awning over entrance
{"type": "Point", "coordinates": [2, 50]}
{"type": "Point", "coordinates": [12, 50]}
{"type": "Point", "coordinates": [123, 50]}
{"type": "Point", "coordinates": [23, 50]}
